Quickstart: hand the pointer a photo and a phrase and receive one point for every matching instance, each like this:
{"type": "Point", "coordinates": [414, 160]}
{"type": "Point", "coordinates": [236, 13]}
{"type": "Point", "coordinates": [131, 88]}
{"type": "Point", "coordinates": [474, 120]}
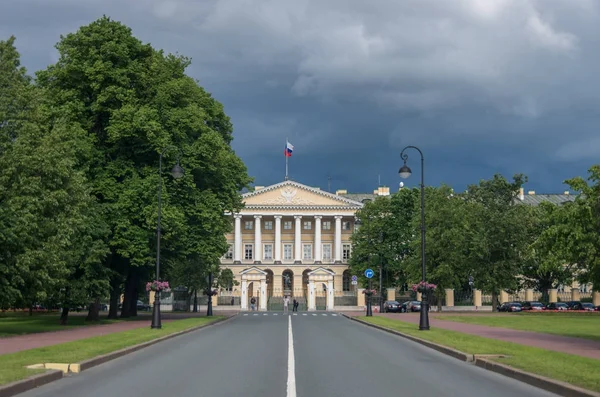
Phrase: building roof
{"type": "Point", "coordinates": [537, 199]}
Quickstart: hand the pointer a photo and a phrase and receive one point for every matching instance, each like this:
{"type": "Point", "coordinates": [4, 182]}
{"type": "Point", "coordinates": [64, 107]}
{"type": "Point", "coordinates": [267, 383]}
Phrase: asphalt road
{"type": "Point", "coordinates": [248, 356]}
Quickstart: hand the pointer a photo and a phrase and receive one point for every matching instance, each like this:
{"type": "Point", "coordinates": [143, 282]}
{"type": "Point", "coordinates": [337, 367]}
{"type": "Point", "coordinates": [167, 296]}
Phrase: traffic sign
{"type": "Point", "coordinates": [369, 273]}
{"type": "Point", "coordinates": [354, 282]}
{"type": "Point", "coordinates": [354, 278]}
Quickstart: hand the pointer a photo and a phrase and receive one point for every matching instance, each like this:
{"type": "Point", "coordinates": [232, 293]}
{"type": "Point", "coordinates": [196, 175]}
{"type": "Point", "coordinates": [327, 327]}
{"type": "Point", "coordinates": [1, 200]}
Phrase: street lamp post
{"type": "Point", "coordinates": [177, 173]}
{"type": "Point", "coordinates": [369, 301]}
{"type": "Point", "coordinates": [209, 308]}
{"type": "Point", "coordinates": [405, 172]}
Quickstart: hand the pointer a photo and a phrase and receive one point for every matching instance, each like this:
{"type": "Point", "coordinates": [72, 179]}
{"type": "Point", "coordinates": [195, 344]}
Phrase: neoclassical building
{"type": "Point", "coordinates": [293, 240]}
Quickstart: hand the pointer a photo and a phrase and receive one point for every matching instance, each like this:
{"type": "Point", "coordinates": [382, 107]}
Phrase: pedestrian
{"type": "Point", "coordinates": [286, 301]}
{"type": "Point", "coordinates": [253, 303]}
{"type": "Point", "coordinates": [295, 305]}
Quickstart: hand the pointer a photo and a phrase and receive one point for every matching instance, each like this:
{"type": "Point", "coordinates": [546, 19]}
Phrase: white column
{"type": "Point", "coordinates": [311, 296]}
{"type": "Point", "coordinates": [298, 238]}
{"type": "Point", "coordinates": [338, 238]}
{"type": "Point", "coordinates": [277, 238]}
{"type": "Point", "coordinates": [257, 239]}
{"type": "Point", "coordinates": [330, 296]}
{"type": "Point", "coordinates": [237, 246]}
{"type": "Point", "coordinates": [317, 250]}
{"type": "Point", "coordinates": [244, 299]}
{"type": "Point", "coordinates": [263, 294]}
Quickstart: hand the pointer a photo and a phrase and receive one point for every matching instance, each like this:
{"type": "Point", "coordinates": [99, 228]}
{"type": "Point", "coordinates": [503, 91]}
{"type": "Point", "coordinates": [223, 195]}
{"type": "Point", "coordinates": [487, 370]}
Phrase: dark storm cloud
{"type": "Point", "coordinates": [482, 86]}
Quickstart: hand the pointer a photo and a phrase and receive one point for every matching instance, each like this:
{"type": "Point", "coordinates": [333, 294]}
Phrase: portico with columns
{"type": "Point", "coordinates": [291, 239]}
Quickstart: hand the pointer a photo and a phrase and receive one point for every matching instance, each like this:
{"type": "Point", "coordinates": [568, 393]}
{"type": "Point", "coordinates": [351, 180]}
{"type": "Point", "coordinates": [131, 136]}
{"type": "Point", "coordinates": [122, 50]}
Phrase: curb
{"type": "Point", "coordinates": [35, 381]}
{"type": "Point", "coordinates": [442, 349]}
{"type": "Point", "coordinates": [542, 382]}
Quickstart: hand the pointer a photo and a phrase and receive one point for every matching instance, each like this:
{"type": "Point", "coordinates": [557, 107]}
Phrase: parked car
{"type": "Point", "coordinates": [533, 306]}
{"type": "Point", "coordinates": [510, 307]}
{"type": "Point", "coordinates": [588, 307]}
{"type": "Point", "coordinates": [557, 306]}
{"type": "Point", "coordinates": [141, 307]}
{"type": "Point", "coordinates": [391, 307]}
{"type": "Point", "coordinates": [410, 306]}
{"type": "Point", "coordinates": [574, 305]}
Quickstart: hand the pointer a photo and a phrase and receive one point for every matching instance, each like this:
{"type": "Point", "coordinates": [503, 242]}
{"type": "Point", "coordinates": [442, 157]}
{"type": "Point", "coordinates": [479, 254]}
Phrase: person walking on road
{"type": "Point", "coordinates": [253, 303]}
{"type": "Point", "coordinates": [295, 305]}
{"type": "Point", "coordinates": [286, 302]}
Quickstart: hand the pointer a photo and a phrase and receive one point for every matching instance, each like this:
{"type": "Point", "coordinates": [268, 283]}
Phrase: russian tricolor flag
{"type": "Point", "coordinates": [289, 148]}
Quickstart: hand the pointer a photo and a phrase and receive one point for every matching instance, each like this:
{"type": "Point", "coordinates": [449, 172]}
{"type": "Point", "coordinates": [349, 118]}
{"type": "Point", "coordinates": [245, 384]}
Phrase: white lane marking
{"type": "Point", "coordinates": [291, 380]}
{"type": "Point", "coordinates": [334, 315]}
{"type": "Point", "coordinates": [265, 314]}
{"type": "Point", "coordinates": [304, 314]}
{"type": "Point", "coordinates": [294, 314]}
{"type": "Point", "coordinates": [245, 314]}
{"type": "Point", "coordinates": [314, 314]}
{"type": "Point", "coordinates": [274, 314]}
{"type": "Point", "coordinates": [255, 314]}
{"type": "Point", "coordinates": [323, 314]}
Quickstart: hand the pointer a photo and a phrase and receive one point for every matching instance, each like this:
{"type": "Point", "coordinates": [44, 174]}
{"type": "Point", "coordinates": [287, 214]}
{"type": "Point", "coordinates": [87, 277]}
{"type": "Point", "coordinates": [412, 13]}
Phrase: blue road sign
{"type": "Point", "coordinates": [369, 273]}
{"type": "Point", "coordinates": [354, 278]}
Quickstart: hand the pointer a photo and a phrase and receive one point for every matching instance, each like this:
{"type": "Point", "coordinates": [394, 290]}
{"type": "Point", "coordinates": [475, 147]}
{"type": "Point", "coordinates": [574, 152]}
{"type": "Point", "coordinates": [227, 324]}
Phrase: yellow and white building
{"type": "Point", "coordinates": [293, 240]}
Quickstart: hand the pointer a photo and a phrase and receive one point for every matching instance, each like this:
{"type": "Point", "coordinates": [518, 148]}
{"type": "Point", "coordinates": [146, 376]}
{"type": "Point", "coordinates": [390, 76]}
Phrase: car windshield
{"type": "Point", "coordinates": [587, 305]}
{"type": "Point", "coordinates": [561, 304]}
{"type": "Point", "coordinates": [392, 303]}
{"type": "Point", "coordinates": [416, 302]}
{"type": "Point", "coordinates": [536, 304]}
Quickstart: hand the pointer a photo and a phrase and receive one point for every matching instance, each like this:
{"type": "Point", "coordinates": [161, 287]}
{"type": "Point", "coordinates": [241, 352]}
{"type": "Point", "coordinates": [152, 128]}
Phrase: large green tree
{"type": "Point", "coordinates": [495, 232]}
{"type": "Point", "coordinates": [134, 102]}
{"type": "Point", "coordinates": [384, 236]}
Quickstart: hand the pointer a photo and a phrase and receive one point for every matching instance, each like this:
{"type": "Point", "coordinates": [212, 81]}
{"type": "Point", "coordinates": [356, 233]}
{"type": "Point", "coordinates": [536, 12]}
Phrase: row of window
{"type": "Point", "coordinates": [288, 252]}
{"type": "Point", "coordinates": [287, 225]}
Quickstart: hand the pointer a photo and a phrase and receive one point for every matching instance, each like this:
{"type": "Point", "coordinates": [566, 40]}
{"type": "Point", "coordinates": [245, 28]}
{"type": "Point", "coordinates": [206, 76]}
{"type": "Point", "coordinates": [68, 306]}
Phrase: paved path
{"type": "Point", "coordinates": [564, 344]}
{"type": "Point", "coordinates": [13, 344]}
{"type": "Point", "coordinates": [252, 356]}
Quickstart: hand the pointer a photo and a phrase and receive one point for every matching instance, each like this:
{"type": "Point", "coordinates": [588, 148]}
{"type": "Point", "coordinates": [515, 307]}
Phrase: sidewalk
{"type": "Point", "coordinates": [564, 344]}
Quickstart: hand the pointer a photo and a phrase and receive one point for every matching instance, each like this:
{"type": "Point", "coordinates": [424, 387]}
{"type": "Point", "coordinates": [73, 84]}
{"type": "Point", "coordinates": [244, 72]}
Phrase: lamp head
{"type": "Point", "coordinates": [177, 171]}
{"type": "Point", "coordinates": [405, 171]}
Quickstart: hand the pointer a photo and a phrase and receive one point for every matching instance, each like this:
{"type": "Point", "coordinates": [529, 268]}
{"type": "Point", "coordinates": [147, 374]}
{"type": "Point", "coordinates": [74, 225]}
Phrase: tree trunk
{"type": "Point", "coordinates": [129, 297]}
{"type": "Point", "coordinates": [31, 310]}
{"type": "Point", "coordinates": [115, 293]}
{"type": "Point", "coordinates": [495, 303]}
{"type": "Point", "coordinates": [64, 315]}
{"type": "Point", "coordinates": [94, 311]}
{"type": "Point", "coordinates": [195, 301]}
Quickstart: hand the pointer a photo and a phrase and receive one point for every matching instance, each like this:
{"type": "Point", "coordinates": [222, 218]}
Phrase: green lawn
{"type": "Point", "coordinates": [580, 371]}
{"type": "Point", "coordinates": [21, 324]}
{"type": "Point", "coordinates": [12, 366]}
{"type": "Point", "coordinates": [580, 325]}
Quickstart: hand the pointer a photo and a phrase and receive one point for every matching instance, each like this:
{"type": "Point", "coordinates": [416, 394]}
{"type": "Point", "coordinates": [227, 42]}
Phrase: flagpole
{"type": "Point", "coordinates": [286, 160]}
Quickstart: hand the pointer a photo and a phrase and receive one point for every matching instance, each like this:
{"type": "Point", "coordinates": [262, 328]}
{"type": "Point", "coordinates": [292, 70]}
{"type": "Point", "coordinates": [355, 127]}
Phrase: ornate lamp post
{"type": "Point", "coordinates": [177, 173]}
{"type": "Point", "coordinates": [210, 292]}
{"type": "Point", "coordinates": [405, 172]}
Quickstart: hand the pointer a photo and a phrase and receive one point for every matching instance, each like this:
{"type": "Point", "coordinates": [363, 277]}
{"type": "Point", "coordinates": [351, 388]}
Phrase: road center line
{"type": "Point", "coordinates": [291, 380]}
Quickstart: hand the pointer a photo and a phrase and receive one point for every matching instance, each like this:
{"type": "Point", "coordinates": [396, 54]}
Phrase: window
{"type": "Point", "coordinates": [347, 226]}
{"type": "Point", "coordinates": [307, 252]}
{"type": "Point", "coordinates": [326, 252]}
{"type": "Point", "coordinates": [268, 252]}
{"type": "Point", "coordinates": [326, 225]}
{"type": "Point", "coordinates": [229, 253]}
{"type": "Point", "coordinates": [287, 252]}
{"type": "Point", "coordinates": [307, 225]}
{"type": "Point", "coordinates": [346, 278]}
{"type": "Point", "coordinates": [269, 225]}
{"type": "Point", "coordinates": [346, 250]}
{"type": "Point", "coordinates": [287, 225]}
{"type": "Point", "coordinates": [248, 254]}
{"type": "Point", "coordinates": [248, 225]}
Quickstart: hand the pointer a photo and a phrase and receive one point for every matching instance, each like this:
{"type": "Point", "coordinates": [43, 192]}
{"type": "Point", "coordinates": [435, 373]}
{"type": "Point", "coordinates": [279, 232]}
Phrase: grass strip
{"type": "Point", "coordinates": [580, 371]}
{"type": "Point", "coordinates": [12, 366]}
{"type": "Point", "coordinates": [577, 325]}
{"type": "Point", "coordinates": [12, 325]}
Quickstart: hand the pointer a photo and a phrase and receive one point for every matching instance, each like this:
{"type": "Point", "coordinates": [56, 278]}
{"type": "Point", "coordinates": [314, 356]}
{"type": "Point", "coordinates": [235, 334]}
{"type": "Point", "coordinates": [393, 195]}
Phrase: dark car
{"type": "Point", "coordinates": [141, 307]}
{"type": "Point", "coordinates": [533, 306]}
{"type": "Point", "coordinates": [557, 306]}
{"type": "Point", "coordinates": [510, 307]}
{"type": "Point", "coordinates": [391, 307]}
{"type": "Point", "coordinates": [410, 306]}
{"type": "Point", "coordinates": [574, 305]}
{"type": "Point", "coordinates": [588, 307]}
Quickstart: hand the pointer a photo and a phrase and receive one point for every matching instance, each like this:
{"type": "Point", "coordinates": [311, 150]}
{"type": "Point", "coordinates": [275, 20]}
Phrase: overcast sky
{"type": "Point", "coordinates": [481, 86]}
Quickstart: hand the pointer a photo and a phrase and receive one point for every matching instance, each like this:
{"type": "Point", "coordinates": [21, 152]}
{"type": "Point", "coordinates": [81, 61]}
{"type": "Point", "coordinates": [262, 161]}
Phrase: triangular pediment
{"type": "Point", "coordinates": [321, 271]}
{"type": "Point", "coordinates": [253, 270]}
{"type": "Point", "coordinates": [294, 194]}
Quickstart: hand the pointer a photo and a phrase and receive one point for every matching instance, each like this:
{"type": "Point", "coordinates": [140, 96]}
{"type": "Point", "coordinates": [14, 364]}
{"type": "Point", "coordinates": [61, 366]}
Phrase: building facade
{"type": "Point", "coordinates": [292, 240]}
